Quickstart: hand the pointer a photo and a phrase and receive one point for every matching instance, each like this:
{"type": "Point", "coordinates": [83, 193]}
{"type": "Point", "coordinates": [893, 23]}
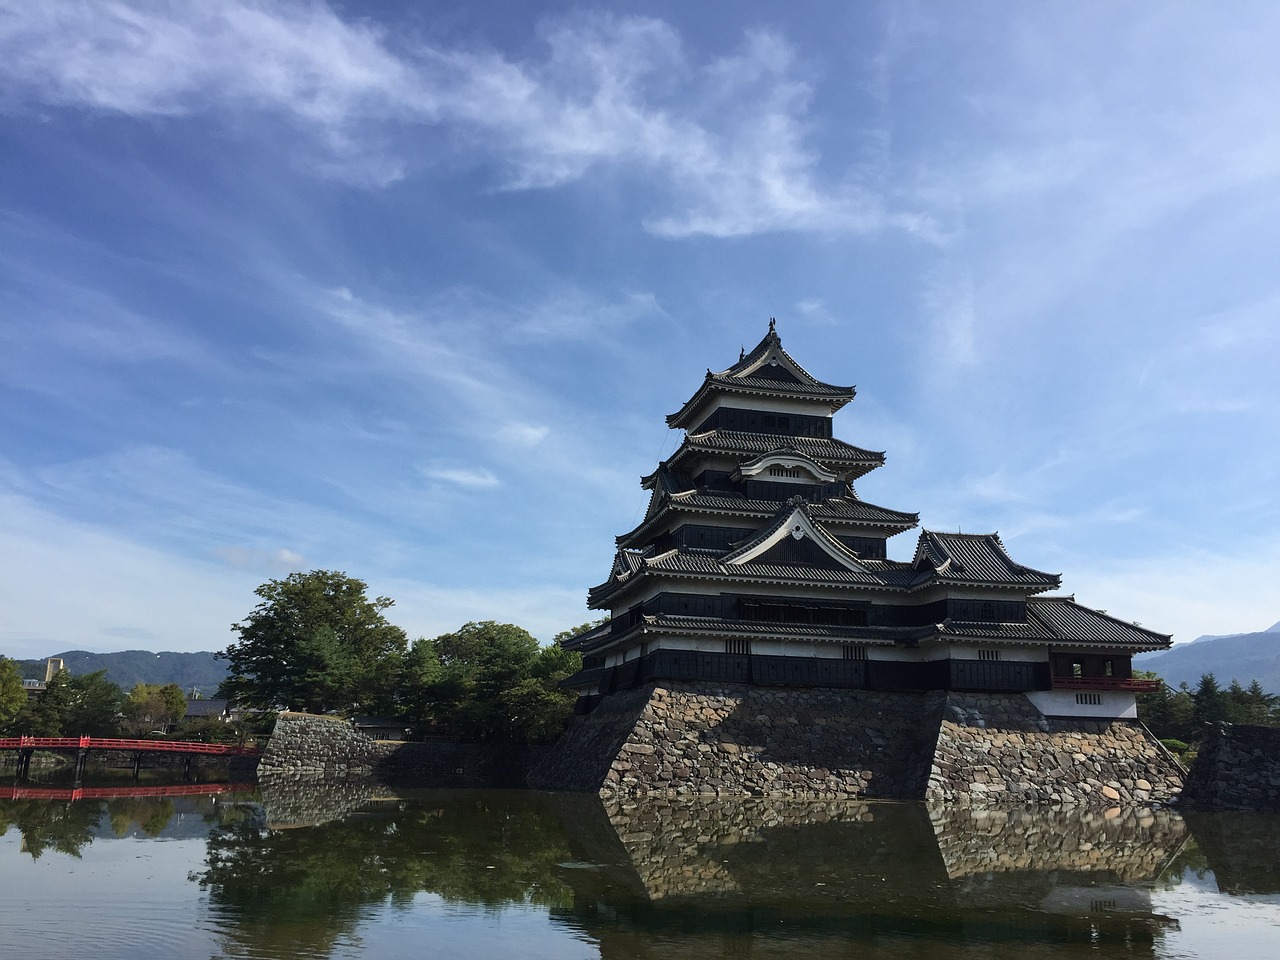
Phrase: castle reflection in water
{"type": "Point", "coordinates": [842, 875]}
{"type": "Point", "coordinates": [760, 877]}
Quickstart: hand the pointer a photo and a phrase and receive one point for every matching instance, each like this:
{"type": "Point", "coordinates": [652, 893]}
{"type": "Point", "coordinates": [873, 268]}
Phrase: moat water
{"type": "Point", "coordinates": [356, 870]}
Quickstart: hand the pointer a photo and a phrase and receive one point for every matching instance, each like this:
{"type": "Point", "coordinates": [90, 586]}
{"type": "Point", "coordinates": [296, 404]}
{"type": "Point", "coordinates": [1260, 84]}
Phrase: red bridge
{"type": "Point", "coordinates": [82, 745]}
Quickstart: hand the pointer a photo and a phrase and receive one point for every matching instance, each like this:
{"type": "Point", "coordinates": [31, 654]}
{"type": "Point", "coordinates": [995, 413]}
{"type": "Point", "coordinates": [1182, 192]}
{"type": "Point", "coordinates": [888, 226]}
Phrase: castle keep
{"type": "Point", "coordinates": [756, 597]}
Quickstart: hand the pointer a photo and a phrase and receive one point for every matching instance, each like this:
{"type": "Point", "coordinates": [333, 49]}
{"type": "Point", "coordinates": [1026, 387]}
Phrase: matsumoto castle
{"type": "Point", "coordinates": [758, 564]}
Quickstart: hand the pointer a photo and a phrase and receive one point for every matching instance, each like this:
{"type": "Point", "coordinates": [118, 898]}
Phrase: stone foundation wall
{"type": "Point", "coordinates": [1237, 768]}
{"type": "Point", "coordinates": [582, 758]}
{"type": "Point", "coordinates": [735, 740]}
{"type": "Point", "coordinates": [1000, 748]}
{"type": "Point", "coordinates": [305, 745]}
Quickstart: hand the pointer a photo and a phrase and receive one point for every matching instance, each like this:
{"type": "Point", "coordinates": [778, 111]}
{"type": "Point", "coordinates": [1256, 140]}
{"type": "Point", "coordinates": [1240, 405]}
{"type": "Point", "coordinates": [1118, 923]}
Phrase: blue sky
{"type": "Point", "coordinates": [407, 290]}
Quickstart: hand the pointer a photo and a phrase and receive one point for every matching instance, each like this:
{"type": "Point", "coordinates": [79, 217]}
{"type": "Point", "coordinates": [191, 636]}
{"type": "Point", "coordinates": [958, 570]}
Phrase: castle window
{"type": "Point", "coordinates": [854, 651]}
{"type": "Point", "coordinates": [1089, 699]}
{"type": "Point", "coordinates": [988, 654]}
{"type": "Point", "coordinates": [739, 647]}
{"type": "Point", "coordinates": [792, 473]}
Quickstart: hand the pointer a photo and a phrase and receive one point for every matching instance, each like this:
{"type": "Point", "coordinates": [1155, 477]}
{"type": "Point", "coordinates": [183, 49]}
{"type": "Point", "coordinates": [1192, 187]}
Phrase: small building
{"type": "Point", "coordinates": [35, 689]}
{"type": "Point", "coordinates": [381, 728]}
{"type": "Point", "coordinates": [757, 562]}
{"type": "Point", "coordinates": [222, 710]}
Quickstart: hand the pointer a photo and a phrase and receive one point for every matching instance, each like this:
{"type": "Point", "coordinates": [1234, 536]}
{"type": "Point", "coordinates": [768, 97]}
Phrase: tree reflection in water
{"type": "Point", "coordinates": [298, 889]}
{"type": "Point", "coordinates": [61, 827]}
{"type": "Point", "coordinates": [69, 826]}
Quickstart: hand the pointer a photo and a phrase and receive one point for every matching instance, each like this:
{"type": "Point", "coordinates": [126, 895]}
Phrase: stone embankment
{"type": "Point", "coordinates": [305, 746]}
{"type": "Point", "coordinates": [1000, 748]}
{"type": "Point", "coordinates": [1237, 768]}
{"type": "Point", "coordinates": [734, 740]}
{"type": "Point", "coordinates": [737, 740]}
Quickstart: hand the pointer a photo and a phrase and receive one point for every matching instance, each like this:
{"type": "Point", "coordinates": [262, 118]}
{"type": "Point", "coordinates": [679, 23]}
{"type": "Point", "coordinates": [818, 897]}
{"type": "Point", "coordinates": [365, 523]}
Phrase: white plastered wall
{"type": "Point", "coordinates": [1113, 705]}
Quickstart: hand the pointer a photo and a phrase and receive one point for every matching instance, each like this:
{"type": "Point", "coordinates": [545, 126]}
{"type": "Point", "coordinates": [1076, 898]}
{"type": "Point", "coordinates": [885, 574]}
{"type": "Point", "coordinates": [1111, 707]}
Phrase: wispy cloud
{"type": "Point", "coordinates": [947, 304]}
{"type": "Point", "coordinates": [1182, 594]}
{"type": "Point", "coordinates": [274, 562]}
{"type": "Point", "coordinates": [76, 585]}
{"type": "Point", "coordinates": [730, 136]}
{"type": "Point", "coordinates": [461, 476]}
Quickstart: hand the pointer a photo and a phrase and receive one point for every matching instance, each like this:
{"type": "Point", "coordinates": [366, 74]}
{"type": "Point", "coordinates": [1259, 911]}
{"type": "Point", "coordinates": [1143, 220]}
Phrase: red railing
{"type": "Point", "coordinates": [111, 743]}
{"type": "Point", "coordinates": [1130, 684]}
{"type": "Point", "coordinates": [116, 793]}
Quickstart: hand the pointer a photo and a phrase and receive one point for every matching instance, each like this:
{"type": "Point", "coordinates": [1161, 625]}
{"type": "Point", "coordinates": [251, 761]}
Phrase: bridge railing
{"type": "Point", "coordinates": [1131, 684]}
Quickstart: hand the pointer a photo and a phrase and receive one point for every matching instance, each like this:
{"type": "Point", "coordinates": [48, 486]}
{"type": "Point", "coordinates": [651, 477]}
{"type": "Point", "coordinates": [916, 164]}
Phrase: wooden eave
{"type": "Point", "coordinates": [674, 506]}
{"type": "Point", "coordinates": [687, 415]}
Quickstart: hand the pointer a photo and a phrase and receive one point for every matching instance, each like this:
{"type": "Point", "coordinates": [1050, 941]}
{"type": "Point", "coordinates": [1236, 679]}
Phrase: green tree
{"type": "Point", "coordinates": [420, 671]}
{"type": "Point", "coordinates": [87, 705]}
{"type": "Point", "coordinates": [96, 703]}
{"type": "Point", "coordinates": [1213, 704]}
{"type": "Point", "coordinates": [316, 642]}
{"type": "Point", "coordinates": [12, 695]}
{"type": "Point", "coordinates": [495, 683]}
{"type": "Point", "coordinates": [1169, 714]}
{"type": "Point", "coordinates": [1258, 706]}
{"type": "Point", "coordinates": [149, 706]}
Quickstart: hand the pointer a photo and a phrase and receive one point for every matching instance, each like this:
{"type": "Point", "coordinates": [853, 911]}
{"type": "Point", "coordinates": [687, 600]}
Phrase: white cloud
{"type": "Point", "coordinates": [462, 476]}
{"type": "Point", "coordinates": [522, 434]}
{"type": "Point", "coordinates": [947, 301]}
{"type": "Point", "coordinates": [273, 562]}
{"type": "Point", "coordinates": [576, 315]}
{"type": "Point", "coordinates": [71, 586]}
{"type": "Point", "coordinates": [815, 311]}
{"type": "Point", "coordinates": [428, 610]}
{"type": "Point", "coordinates": [1184, 595]}
{"type": "Point", "coordinates": [728, 137]}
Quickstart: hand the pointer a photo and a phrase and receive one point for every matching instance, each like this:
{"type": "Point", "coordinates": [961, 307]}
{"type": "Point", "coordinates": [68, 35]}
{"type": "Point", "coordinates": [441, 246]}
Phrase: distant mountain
{"type": "Point", "coordinates": [1274, 628]}
{"type": "Point", "coordinates": [1241, 656]}
{"type": "Point", "coordinates": [129, 667]}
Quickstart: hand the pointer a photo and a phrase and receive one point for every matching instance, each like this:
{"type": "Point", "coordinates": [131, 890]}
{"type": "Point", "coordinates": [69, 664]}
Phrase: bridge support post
{"type": "Point", "coordinates": [186, 767]}
{"type": "Point", "coordinates": [137, 764]}
{"type": "Point", "coordinates": [82, 757]}
{"type": "Point", "coordinates": [24, 763]}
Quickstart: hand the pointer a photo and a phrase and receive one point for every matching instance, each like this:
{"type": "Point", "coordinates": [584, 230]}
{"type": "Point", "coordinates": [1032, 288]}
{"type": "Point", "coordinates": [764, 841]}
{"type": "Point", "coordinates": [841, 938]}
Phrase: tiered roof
{"type": "Point", "coordinates": [838, 510]}
{"type": "Point", "coordinates": [1051, 620]}
{"type": "Point", "coordinates": [975, 560]}
{"type": "Point", "coordinates": [767, 371]}
{"type": "Point", "coordinates": [942, 559]}
{"type": "Point", "coordinates": [838, 456]}
{"type": "Point", "coordinates": [801, 545]}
